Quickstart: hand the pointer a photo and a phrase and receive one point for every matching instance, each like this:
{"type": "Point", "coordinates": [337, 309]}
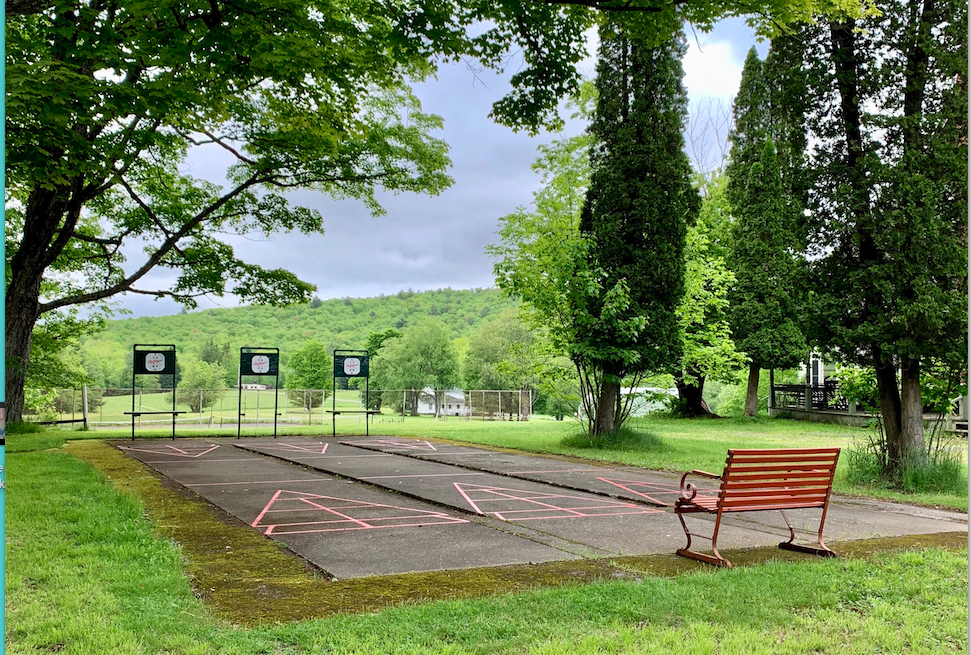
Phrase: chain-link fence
{"type": "Point", "coordinates": [255, 404]}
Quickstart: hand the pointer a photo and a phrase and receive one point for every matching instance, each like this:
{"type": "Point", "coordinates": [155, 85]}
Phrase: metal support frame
{"type": "Point", "coordinates": [165, 349]}
{"type": "Point", "coordinates": [274, 367]}
{"type": "Point", "coordinates": [367, 391]}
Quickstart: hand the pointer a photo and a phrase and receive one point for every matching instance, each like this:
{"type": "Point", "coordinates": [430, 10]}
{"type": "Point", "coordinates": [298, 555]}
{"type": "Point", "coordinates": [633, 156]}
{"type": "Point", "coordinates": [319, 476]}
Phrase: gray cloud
{"type": "Point", "coordinates": [421, 242]}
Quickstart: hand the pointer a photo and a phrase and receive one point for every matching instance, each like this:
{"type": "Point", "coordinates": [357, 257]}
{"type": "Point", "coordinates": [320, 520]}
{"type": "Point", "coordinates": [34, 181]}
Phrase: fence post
{"type": "Point", "coordinates": [84, 409]}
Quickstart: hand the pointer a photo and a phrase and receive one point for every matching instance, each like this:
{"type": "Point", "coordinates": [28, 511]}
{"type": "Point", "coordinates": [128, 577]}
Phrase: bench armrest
{"type": "Point", "coordinates": [688, 489]}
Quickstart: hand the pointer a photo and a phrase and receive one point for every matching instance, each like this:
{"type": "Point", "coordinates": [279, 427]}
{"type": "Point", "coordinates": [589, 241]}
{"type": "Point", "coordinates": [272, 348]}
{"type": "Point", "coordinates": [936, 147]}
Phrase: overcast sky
{"type": "Point", "coordinates": [435, 242]}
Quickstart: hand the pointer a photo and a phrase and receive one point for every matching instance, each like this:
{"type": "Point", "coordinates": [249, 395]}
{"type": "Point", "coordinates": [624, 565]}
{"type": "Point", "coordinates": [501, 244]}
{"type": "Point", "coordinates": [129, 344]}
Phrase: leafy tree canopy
{"type": "Point", "coordinates": [107, 99]}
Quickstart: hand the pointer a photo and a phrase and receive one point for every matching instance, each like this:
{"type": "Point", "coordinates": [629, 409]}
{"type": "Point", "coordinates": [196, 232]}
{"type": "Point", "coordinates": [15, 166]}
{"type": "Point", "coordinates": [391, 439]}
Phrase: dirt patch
{"type": "Point", "coordinates": [249, 579]}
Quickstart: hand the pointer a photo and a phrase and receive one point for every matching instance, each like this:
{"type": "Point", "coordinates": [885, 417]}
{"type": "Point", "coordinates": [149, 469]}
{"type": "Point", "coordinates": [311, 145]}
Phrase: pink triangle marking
{"type": "Point", "coordinates": [628, 485]}
{"type": "Point", "coordinates": [533, 499]}
{"type": "Point", "coordinates": [297, 448]}
{"type": "Point", "coordinates": [178, 452]}
{"type": "Point", "coordinates": [395, 443]}
{"type": "Point", "coordinates": [339, 515]}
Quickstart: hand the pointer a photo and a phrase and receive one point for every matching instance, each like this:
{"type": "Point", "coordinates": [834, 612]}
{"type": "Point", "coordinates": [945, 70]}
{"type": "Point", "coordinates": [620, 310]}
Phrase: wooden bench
{"type": "Point", "coordinates": [760, 480]}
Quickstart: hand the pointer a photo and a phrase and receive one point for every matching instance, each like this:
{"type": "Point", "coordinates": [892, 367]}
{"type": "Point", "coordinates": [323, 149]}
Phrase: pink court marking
{"type": "Point", "coordinates": [170, 450]}
{"type": "Point", "coordinates": [338, 515]}
{"type": "Point", "coordinates": [550, 506]}
{"type": "Point", "coordinates": [292, 447]}
{"type": "Point", "coordinates": [394, 443]}
{"type": "Point", "coordinates": [223, 484]}
{"type": "Point", "coordinates": [638, 488]}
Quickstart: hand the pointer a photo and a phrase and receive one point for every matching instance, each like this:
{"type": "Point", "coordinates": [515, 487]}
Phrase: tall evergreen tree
{"type": "Point", "coordinates": [888, 125]}
{"type": "Point", "coordinates": [765, 312]}
{"type": "Point", "coordinates": [635, 217]}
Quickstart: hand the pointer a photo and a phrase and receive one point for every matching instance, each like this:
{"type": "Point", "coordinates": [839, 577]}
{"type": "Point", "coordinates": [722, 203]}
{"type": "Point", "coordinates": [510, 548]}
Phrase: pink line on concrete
{"type": "Point", "coordinates": [468, 499]}
{"type": "Point", "coordinates": [294, 448]}
{"type": "Point", "coordinates": [379, 527]}
{"type": "Point", "coordinates": [182, 461]}
{"type": "Point", "coordinates": [628, 485]}
{"type": "Point", "coordinates": [586, 470]}
{"type": "Point", "coordinates": [266, 508]}
{"type": "Point", "coordinates": [506, 496]}
{"type": "Point", "coordinates": [431, 475]}
{"type": "Point", "coordinates": [221, 484]}
{"type": "Point", "coordinates": [583, 511]}
{"type": "Point", "coordinates": [440, 518]}
{"type": "Point", "coordinates": [580, 516]}
{"type": "Point", "coordinates": [172, 450]}
{"type": "Point", "coordinates": [343, 516]}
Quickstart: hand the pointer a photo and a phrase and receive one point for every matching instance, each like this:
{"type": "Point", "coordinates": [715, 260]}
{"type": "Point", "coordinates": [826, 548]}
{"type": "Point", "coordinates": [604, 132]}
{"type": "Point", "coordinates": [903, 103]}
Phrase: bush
{"type": "Point", "coordinates": [623, 439]}
{"type": "Point", "coordinates": [940, 471]}
{"type": "Point", "coordinates": [944, 473]}
{"type": "Point", "coordinates": [21, 427]}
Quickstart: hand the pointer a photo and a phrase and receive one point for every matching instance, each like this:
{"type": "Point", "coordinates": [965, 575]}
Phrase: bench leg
{"type": "Point", "coordinates": [716, 557]}
{"type": "Point", "coordinates": [822, 551]}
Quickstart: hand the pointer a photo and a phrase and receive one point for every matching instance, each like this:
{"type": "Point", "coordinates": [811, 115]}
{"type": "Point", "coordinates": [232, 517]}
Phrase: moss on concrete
{"type": "Point", "coordinates": [250, 579]}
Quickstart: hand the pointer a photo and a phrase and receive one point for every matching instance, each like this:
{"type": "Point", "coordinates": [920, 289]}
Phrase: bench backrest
{"type": "Point", "coordinates": [777, 479]}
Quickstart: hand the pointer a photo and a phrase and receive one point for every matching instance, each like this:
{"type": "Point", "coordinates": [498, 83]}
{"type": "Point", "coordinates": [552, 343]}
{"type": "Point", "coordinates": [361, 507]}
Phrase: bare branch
{"type": "Point", "coordinates": [156, 257]}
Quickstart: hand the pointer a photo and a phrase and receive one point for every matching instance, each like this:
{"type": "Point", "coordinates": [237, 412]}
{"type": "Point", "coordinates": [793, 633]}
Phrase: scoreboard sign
{"type": "Point", "coordinates": [154, 362]}
{"type": "Point", "coordinates": [259, 363]}
{"type": "Point", "coordinates": [350, 366]}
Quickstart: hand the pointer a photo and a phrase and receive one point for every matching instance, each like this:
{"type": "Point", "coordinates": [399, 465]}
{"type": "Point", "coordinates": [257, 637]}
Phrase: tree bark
{"type": "Point", "coordinates": [38, 250]}
{"type": "Point", "coordinates": [21, 316]}
{"type": "Point", "coordinates": [693, 396]}
{"type": "Point", "coordinates": [752, 393]}
{"type": "Point", "coordinates": [911, 442]}
{"type": "Point", "coordinates": [605, 421]}
{"type": "Point", "coordinates": [889, 397]}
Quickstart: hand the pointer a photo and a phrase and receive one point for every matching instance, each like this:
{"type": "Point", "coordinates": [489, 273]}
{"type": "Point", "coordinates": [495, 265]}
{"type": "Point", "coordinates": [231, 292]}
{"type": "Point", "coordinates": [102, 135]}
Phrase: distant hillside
{"type": "Point", "coordinates": [339, 323]}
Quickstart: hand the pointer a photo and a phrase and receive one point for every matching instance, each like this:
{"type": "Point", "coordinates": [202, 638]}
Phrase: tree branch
{"type": "Point", "coordinates": [156, 257]}
{"type": "Point", "coordinates": [612, 5]}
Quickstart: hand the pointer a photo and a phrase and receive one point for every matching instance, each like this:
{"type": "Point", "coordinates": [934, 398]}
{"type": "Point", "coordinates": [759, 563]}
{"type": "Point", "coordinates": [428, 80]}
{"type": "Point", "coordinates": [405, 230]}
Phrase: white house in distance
{"type": "Point", "coordinates": [453, 403]}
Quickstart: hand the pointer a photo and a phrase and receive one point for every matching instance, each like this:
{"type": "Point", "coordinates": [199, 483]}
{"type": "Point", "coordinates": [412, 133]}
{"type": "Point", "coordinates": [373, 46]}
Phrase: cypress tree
{"type": "Point", "coordinates": [635, 217]}
{"type": "Point", "coordinates": [764, 315]}
{"type": "Point", "coordinates": [764, 311]}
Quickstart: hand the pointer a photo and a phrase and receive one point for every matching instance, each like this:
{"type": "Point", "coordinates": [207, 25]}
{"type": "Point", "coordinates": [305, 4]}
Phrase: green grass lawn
{"type": "Point", "coordinates": [657, 443]}
{"type": "Point", "coordinates": [86, 574]}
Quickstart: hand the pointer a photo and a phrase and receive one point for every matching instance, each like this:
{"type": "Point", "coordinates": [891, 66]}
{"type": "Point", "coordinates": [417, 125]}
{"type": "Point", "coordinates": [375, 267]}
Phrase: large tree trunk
{"type": "Point", "coordinates": [605, 420]}
{"type": "Point", "coordinates": [889, 397]}
{"type": "Point", "coordinates": [49, 219]}
{"type": "Point", "coordinates": [911, 439]}
{"type": "Point", "coordinates": [752, 393]}
{"type": "Point", "coordinates": [693, 396]}
{"type": "Point", "coordinates": [21, 315]}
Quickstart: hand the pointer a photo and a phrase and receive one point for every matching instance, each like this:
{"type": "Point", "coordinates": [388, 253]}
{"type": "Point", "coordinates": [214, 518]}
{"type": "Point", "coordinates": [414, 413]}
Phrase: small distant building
{"type": "Point", "coordinates": [452, 402]}
{"type": "Point", "coordinates": [648, 400]}
{"type": "Point", "coordinates": [254, 387]}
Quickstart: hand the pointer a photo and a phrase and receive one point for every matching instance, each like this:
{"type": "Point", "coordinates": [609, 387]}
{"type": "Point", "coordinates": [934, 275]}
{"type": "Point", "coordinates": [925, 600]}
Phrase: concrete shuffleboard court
{"type": "Point", "coordinates": [381, 505]}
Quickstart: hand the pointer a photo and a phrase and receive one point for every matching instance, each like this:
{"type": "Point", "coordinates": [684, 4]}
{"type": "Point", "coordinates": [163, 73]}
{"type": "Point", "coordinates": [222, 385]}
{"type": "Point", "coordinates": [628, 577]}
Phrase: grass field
{"type": "Point", "coordinates": [656, 443]}
{"type": "Point", "coordinates": [87, 572]}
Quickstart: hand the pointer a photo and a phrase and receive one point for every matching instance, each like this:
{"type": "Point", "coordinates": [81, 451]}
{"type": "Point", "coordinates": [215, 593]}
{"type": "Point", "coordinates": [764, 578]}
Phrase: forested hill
{"type": "Point", "coordinates": [338, 323]}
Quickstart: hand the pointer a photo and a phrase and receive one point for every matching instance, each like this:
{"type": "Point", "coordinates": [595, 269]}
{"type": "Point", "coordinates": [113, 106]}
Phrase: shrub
{"type": "Point", "coordinates": [623, 439]}
{"type": "Point", "coordinates": [942, 470]}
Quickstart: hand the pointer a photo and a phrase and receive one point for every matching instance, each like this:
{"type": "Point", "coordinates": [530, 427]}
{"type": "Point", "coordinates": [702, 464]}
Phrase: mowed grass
{"type": "Point", "coordinates": [85, 574]}
{"type": "Point", "coordinates": [657, 443]}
